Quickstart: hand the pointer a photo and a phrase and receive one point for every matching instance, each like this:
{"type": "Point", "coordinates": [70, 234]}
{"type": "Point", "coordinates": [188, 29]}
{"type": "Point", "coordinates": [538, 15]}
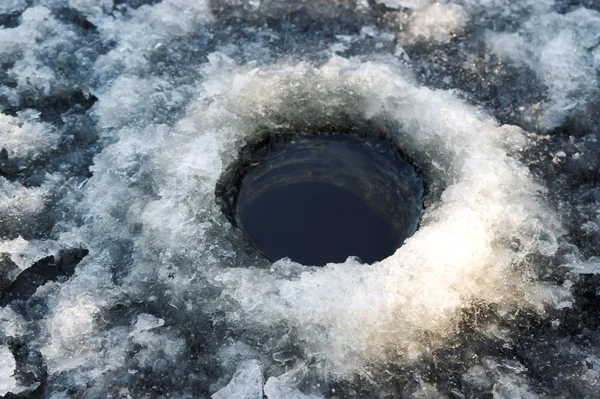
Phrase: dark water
{"type": "Point", "coordinates": [321, 199]}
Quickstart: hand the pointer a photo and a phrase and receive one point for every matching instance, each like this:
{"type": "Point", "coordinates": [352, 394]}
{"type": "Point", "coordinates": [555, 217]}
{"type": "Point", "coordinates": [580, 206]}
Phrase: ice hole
{"type": "Point", "coordinates": [320, 199]}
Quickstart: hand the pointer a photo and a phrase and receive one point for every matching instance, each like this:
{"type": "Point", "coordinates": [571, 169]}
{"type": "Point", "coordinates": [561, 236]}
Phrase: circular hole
{"type": "Point", "coordinates": [321, 199]}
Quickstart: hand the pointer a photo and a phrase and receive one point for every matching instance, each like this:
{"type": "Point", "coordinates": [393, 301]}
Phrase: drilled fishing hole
{"type": "Point", "coordinates": [319, 199]}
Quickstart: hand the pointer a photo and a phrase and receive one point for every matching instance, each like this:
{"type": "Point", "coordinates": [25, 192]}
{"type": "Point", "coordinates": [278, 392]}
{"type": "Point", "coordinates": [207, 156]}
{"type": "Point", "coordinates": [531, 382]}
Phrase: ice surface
{"type": "Point", "coordinates": [117, 119]}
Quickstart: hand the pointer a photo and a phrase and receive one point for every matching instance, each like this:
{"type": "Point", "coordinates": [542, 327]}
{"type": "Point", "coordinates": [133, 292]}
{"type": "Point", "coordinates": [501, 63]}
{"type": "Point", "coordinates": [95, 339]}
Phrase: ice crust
{"type": "Point", "coordinates": [158, 97]}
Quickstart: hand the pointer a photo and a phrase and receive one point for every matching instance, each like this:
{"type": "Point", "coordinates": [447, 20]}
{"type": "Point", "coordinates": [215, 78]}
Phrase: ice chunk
{"type": "Point", "coordinates": [25, 253]}
{"type": "Point", "coordinates": [235, 354]}
{"type": "Point", "coordinates": [404, 3]}
{"type": "Point", "coordinates": [588, 266]}
{"type": "Point", "coordinates": [285, 386]}
{"type": "Point", "coordinates": [155, 346]}
{"type": "Point", "coordinates": [146, 322]}
{"type": "Point", "coordinates": [93, 9]}
{"type": "Point", "coordinates": [12, 324]}
{"type": "Point", "coordinates": [148, 30]}
{"type": "Point", "coordinates": [74, 320]}
{"type": "Point", "coordinates": [9, 6]}
{"type": "Point", "coordinates": [8, 367]}
{"type": "Point", "coordinates": [558, 48]}
{"type": "Point", "coordinates": [438, 23]}
{"type": "Point", "coordinates": [247, 383]}
{"type": "Point", "coordinates": [23, 138]}
{"type": "Point", "coordinates": [71, 328]}
{"type": "Point", "coordinates": [19, 203]}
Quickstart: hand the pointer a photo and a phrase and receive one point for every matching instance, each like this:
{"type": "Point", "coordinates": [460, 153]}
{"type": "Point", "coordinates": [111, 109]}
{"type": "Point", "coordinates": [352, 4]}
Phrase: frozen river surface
{"type": "Point", "coordinates": [121, 277]}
